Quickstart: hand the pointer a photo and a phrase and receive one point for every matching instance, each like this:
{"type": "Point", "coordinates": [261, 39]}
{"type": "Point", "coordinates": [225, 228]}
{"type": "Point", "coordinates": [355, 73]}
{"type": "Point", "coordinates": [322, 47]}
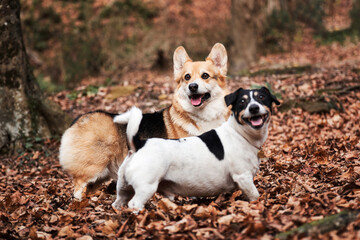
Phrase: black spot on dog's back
{"type": "Point", "coordinates": [152, 125]}
{"type": "Point", "coordinates": [138, 143]}
{"type": "Point", "coordinates": [214, 144]}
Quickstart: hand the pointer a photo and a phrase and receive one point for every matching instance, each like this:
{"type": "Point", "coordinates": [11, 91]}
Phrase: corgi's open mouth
{"type": "Point", "coordinates": [257, 121]}
{"type": "Point", "coordinates": [198, 99]}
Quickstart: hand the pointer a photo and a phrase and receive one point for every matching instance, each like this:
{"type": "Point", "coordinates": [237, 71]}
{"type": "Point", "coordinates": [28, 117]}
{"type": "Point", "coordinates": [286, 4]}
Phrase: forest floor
{"type": "Point", "coordinates": [310, 167]}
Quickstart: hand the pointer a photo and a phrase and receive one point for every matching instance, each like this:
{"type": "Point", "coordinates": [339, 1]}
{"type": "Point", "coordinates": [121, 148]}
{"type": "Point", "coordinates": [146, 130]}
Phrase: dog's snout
{"type": "Point", "coordinates": [193, 87]}
{"type": "Point", "coordinates": [253, 109]}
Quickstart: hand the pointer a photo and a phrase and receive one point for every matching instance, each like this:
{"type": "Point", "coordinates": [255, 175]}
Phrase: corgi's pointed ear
{"type": "Point", "coordinates": [180, 58]}
{"type": "Point", "coordinates": [231, 98]}
{"type": "Point", "coordinates": [219, 57]}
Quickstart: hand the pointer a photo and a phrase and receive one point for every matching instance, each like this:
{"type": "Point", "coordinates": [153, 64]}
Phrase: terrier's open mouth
{"type": "Point", "coordinates": [198, 99]}
{"type": "Point", "coordinates": [257, 121]}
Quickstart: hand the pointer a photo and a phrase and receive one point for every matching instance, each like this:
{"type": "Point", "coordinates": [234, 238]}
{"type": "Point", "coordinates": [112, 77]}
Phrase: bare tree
{"type": "Point", "coordinates": [248, 18]}
{"type": "Point", "coordinates": [24, 109]}
{"type": "Point", "coordinates": [244, 32]}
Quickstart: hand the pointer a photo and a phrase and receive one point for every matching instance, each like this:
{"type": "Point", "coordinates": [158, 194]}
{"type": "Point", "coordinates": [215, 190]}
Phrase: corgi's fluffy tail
{"type": "Point", "coordinates": [133, 119]}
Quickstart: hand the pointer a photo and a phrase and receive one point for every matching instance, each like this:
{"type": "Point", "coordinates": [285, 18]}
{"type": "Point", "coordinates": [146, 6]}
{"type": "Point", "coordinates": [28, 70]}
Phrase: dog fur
{"type": "Point", "coordinates": [93, 148]}
{"type": "Point", "coordinates": [217, 161]}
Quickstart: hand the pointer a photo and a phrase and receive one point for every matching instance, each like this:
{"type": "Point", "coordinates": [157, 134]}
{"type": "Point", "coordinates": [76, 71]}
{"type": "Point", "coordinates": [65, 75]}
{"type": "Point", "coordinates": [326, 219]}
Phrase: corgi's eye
{"type": "Point", "coordinates": [261, 97]}
{"type": "Point", "coordinates": [242, 101]}
{"type": "Point", "coordinates": [205, 76]}
{"type": "Point", "coordinates": [187, 77]}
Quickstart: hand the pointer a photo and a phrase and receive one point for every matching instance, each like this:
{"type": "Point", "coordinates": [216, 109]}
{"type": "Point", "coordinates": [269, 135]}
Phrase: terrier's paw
{"type": "Point", "coordinates": [117, 204]}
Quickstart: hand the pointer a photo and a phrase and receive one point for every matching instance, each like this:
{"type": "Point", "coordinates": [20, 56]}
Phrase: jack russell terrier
{"type": "Point", "coordinates": [221, 160]}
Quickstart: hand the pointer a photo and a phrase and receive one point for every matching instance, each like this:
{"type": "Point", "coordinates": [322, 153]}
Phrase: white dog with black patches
{"type": "Point", "coordinates": [221, 160]}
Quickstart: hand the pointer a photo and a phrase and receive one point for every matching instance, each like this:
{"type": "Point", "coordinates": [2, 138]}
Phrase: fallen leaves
{"type": "Point", "coordinates": [310, 168]}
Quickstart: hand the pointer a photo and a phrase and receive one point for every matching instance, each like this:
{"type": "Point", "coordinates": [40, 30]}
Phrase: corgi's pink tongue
{"type": "Point", "coordinates": [195, 101]}
{"type": "Point", "coordinates": [256, 122]}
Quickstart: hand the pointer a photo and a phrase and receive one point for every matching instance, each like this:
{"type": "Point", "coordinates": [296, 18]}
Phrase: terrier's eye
{"type": "Point", "coordinates": [187, 77]}
{"type": "Point", "coordinates": [242, 101]}
{"type": "Point", "coordinates": [205, 76]}
{"type": "Point", "coordinates": [261, 97]}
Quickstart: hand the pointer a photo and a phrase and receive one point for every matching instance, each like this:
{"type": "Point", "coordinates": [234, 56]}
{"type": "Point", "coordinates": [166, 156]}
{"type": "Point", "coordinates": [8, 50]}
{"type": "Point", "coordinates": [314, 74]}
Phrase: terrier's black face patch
{"type": "Point", "coordinates": [245, 105]}
{"type": "Point", "coordinates": [242, 97]}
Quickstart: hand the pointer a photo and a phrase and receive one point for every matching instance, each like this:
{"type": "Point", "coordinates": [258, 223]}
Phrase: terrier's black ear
{"type": "Point", "coordinates": [231, 98]}
{"type": "Point", "coordinates": [273, 97]}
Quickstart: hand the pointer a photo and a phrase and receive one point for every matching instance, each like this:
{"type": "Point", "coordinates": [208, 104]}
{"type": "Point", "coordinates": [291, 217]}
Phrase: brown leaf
{"type": "Point", "coordinates": [352, 155]}
{"type": "Point", "coordinates": [287, 148]}
{"type": "Point", "coordinates": [86, 237]}
{"type": "Point", "coordinates": [185, 224]}
{"type": "Point", "coordinates": [33, 234]}
{"type": "Point", "coordinates": [188, 207]}
{"type": "Point", "coordinates": [226, 220]}
{"type": "Point", "coordinates": [53, 219]}
{"type": "Point", "coordinates": [205, 212]}
{"type": "Point", "coordinates": [67, 232]}
{"type": "Point", "coordinates": [157, 225]}
{"type": "Point", "coordinates": [109, 227]}
{"type": "Point", "coordinates": [77, 205]}
{"type": "Point", "coordinates": [36, 155]}
{"type": "Point", "coordinates": [167, 206]}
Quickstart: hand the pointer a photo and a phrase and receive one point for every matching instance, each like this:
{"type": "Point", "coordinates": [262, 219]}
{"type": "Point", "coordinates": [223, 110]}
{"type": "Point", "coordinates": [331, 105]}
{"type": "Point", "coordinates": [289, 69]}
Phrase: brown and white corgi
{"type": "Point", "coordinates": [93, 148]}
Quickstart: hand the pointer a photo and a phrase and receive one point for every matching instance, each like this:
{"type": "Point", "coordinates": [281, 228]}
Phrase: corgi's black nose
{"type": "Point", "coordinates": [254, 109]}
{"type": "Point", "coordinates": [193, 87]}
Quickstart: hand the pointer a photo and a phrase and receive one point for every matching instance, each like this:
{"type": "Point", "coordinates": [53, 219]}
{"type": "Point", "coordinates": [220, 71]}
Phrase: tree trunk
{"type": "Point", "coordinates": [24, 109]}
{"type": "Point", "coordinates": [247, 21]}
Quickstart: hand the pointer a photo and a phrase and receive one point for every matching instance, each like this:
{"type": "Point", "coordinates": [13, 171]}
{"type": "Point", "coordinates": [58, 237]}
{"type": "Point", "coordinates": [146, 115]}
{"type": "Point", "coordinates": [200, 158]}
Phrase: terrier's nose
{"type": "Point", "coordinates": [253, 109]}
{"type": "Point", "coordinates": [193, 87]}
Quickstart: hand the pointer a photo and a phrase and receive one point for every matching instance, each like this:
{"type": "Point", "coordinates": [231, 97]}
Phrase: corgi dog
{"type": "Point", "coordinates": [220, 160]}
{"type": "Point", "coordinates": [93, 147]}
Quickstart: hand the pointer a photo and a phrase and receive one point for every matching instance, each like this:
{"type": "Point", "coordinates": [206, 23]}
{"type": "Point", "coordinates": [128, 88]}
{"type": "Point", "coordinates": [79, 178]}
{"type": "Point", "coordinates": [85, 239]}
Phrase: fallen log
{"type": "Point", "coordinates": [327, 224]}
{"type": "Point", "coordinates": [315, 104]}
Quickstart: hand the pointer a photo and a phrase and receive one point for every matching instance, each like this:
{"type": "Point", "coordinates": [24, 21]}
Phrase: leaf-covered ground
{"type": "Point", "coordinates": [310, 167]}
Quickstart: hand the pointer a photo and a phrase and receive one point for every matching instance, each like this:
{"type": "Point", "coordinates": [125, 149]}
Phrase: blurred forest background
{"type": "Point", "coordinates": [97, 41]}
{"type": "Point", "coordinates": [113, 54]}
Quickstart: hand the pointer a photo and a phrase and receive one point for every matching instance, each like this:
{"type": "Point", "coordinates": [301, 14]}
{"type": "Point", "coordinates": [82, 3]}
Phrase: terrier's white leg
{"type": "Point", "coordinates": [123, 190]}
{"type": "Point", "coordinates": [143, 193]}
{"type": "Point", "coordinates": [246, 184]}
{"type": "Point", "coordinates": [124, 193]}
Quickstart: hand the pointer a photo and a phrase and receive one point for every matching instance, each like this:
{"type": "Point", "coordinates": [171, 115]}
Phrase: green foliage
{"type": "Point", "coordinates": [280, 71]}
{"type": "Point", "coordinates": [311, 13]}
{"type": "Point", "coordinates": [355, 16]}
{"type": "Point", "coordinates": [47, 85]}
{"type": "Point", "coordinates": [29, 146]}
{"type": "Point", "coordinates": [353, 32]}
{"type": "Point", "coordinates": [89, 41]}
{"type": "Point", "coordinates": [337, 36]}
{"type": "Point", "coordinates": [281, 24]}
{"type": "Point", "coordinates": [128, 7]}
{"type": "Point", "coordinates": [82, 56]}
{"type": "Point", "coordinates": [39, 30]}
{"type": "Point", "coordinates": [88, 91]}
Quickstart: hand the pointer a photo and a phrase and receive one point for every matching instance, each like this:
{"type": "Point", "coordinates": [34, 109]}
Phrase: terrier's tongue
{"type": "Point", "coordinates": [256, 122]}
{"type": "Point", "coordinates": [196, 101]}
